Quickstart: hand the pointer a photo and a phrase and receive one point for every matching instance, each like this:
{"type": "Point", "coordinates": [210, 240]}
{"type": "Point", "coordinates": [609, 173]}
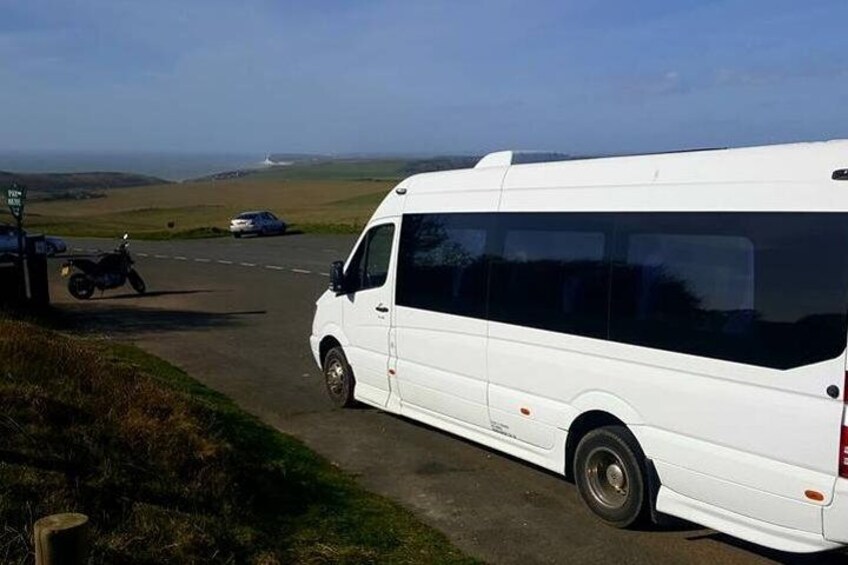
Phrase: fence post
{"type": "Point", "coordinates": [61, 539]}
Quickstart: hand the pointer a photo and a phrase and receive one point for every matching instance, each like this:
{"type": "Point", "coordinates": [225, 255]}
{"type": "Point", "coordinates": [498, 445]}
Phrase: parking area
{"type": "Point", "coordinates": [236, 314]}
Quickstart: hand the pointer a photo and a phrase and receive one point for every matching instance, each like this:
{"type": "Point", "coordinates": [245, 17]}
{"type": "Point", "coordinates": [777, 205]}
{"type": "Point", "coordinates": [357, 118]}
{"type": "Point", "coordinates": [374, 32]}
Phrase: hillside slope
{"type": "Point", "coordinates": [57, 183]}
{"type": "Point", "coordinates": [172, 472]}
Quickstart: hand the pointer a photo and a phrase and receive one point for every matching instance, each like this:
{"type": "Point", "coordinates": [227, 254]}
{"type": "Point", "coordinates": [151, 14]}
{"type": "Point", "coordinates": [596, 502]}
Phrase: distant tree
{"type": "Point", "coordinates": [440, 164]}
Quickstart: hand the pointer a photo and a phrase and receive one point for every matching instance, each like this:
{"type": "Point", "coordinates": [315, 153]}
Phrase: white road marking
{"type": "Point", "coordinates": [223, 262]}
{"type": "Point", "coordinates": [80, 249]}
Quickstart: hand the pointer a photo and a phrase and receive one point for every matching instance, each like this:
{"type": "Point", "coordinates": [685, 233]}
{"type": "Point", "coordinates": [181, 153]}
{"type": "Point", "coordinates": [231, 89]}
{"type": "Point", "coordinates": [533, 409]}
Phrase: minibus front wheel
{"type": "Point", "coordinates": [338, 377]}
{"type": "Point", "coordinates": [610, 475]}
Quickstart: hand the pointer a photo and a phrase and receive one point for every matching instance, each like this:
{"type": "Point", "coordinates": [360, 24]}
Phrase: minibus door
{"type": "Point", "coordinates": [367, 304]}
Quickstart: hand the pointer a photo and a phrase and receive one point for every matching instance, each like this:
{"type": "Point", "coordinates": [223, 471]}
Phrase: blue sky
{"type": "Point", "coordinates": [420, 77]}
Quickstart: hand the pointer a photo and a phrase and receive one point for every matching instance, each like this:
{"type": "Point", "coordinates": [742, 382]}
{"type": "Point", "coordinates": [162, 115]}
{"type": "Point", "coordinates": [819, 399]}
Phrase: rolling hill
{"type": "Point", "coordinates": [51, 186]}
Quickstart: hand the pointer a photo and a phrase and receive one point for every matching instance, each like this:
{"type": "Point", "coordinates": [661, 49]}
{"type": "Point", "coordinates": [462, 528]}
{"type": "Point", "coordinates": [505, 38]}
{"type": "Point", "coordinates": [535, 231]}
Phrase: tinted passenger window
{"type": "Point", "coordinates": [369, 267]}
{"type": "Point", "coordinates": [680, 275]}
{"type": "Point", "coordinates": [763, 289]}
{"type": "Point", "coordinates": [553, 272]}
{"type": "Point", "coordinates": [767, 289]}
{"type": "Point", "coordinates": [442, 263]}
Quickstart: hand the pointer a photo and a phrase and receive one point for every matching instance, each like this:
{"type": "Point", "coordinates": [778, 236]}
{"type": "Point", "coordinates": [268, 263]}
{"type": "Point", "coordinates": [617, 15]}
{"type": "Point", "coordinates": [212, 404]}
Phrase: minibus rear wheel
{"type": "Point", "coordinates": [610, 475]}
{"type": "Point", "coordinates": [338, 377]}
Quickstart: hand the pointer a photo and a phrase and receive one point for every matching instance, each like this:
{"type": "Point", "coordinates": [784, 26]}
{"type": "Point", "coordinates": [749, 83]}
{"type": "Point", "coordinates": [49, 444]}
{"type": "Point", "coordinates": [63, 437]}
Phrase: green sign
{"type": "Point", "coordinates": [15, 198]}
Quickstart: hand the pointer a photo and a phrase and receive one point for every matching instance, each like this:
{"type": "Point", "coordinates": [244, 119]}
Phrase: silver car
{"type": "Point", "coordinates": [257, 223]}
{"type": "Point", "coordinates": [9, 242]}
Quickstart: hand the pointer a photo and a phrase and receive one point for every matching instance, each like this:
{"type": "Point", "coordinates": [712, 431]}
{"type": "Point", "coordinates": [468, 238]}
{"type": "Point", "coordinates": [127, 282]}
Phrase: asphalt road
{"type": "Point", "coordinates": [236, 314]}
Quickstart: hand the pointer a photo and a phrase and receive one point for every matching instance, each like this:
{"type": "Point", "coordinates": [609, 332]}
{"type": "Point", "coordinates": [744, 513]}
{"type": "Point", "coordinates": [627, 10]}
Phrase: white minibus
{"type": "Point", "coordinates": [669, 330]}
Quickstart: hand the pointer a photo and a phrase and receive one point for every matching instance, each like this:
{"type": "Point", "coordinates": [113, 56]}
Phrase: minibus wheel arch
{"type": "Point", "coordinates": [594, 419]}
{"type": "Point", "coordinates": [581, 426]}
{"type": "Point", "coordinates": [325, 346]}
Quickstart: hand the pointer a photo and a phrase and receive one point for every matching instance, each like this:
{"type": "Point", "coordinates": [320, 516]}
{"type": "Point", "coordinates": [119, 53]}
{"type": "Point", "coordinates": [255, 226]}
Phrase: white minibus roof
{"type": "Point", "coordinates": [793, 177]}
{"type": "Point", "coordinates": [797, 162]}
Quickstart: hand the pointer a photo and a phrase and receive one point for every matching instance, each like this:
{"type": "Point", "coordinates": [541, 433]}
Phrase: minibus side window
{"type": "Point", "coordinates": [442, 263]}
{"type": "Point", "coordinates": [370, 264]}
{"type": "Point", "coordinates": [377, 256]}
{"type": "Point", "coordinates": [686, 292]}
{"type": "Point", "coordinates": [767, 289]}
{"type": "Point", "coordinates": [552, 272]}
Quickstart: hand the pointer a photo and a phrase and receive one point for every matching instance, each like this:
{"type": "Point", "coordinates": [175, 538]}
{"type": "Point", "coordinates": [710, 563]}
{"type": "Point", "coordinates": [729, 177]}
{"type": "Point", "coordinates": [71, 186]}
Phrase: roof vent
{"type": "Point", "coordinates": [841, 174]}
{"type": "Point", "coordinates": [499, 159]}
{"type": "Point", "coordinates": [507, 158]}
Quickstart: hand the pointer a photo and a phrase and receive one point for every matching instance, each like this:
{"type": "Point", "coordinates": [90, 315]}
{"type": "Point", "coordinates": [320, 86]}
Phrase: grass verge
{"type": "Point", "coordinates": [170, 471]}
{"type": "Point", "coordinates": [113, 229]}
{"type": "Point", "coordinates": [74, 229]}
{"type": "Point", "coordinates": [329, 228]}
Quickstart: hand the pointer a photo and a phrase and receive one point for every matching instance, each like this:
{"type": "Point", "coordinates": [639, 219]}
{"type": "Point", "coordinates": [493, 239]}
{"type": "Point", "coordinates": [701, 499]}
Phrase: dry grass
{"type": "Point", "coordinates": [323, 205]}
{"type": "Point", "coordinates": [170, 472]}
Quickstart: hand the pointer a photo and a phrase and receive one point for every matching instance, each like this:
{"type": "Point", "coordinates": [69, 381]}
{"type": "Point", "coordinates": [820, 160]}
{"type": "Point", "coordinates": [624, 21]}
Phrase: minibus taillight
{"type": "Point", "coordinates": [843, 453]}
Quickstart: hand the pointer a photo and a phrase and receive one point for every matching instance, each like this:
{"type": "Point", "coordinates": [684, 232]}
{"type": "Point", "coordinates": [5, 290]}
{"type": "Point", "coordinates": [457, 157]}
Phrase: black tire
{"type": "Point", "coordinates": [237, 235]}
{"type": "Point", "coordinates": [609, 469]}
{"type": "Point", "coordinates": [338, 378]}
{"type": "Point", "coordinates": [80, 286]}
{"type": "Point", "coordinates": [136, 282]}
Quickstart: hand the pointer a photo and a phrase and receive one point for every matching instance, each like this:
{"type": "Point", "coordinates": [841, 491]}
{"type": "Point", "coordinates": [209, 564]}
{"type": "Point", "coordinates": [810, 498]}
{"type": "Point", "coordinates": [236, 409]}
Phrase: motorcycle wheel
{"type": "Point", "coordinates": [80, 286]}
{"type": "Point", "coordinates": [137, 282]}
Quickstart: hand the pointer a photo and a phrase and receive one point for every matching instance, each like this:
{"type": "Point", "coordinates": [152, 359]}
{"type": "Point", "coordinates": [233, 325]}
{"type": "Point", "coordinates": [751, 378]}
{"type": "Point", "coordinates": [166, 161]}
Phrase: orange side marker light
{"type": "Point", "coordinates": [814, 495]}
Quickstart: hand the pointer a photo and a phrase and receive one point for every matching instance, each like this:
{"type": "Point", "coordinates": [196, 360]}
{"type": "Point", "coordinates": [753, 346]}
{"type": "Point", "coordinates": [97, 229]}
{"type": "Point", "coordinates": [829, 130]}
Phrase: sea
{"type": "Point", "coordinates": [168, 166]}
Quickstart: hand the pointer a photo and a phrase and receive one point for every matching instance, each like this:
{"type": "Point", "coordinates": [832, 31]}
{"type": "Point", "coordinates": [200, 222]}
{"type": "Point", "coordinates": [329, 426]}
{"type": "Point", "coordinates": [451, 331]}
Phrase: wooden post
{"type": "Point", "coordinates": [61, 539]}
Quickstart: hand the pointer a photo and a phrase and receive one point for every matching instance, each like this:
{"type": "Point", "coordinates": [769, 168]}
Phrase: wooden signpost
{"type": "Point", "coordinates": [16, 199]}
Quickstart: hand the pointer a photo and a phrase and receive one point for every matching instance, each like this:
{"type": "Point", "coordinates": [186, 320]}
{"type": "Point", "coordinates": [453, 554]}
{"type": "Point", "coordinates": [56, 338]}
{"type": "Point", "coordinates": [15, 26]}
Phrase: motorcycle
{"type": "Point", "coordinates": [110, 270]}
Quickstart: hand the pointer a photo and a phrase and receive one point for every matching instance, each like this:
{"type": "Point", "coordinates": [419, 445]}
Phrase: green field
{"type": "Point", "coordinates": [336, 196]}
{"type": "Point", "coordinates": [169, 471]}
{"type": "Point", "coordinates": [205, 208]}
{"type": "Point", "coordinates": [329, 196]}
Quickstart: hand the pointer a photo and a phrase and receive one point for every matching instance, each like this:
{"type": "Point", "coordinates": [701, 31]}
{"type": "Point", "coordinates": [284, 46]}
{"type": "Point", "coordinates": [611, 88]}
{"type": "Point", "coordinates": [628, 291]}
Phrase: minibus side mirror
{"type": "Point", "coordinates": [337, 277]}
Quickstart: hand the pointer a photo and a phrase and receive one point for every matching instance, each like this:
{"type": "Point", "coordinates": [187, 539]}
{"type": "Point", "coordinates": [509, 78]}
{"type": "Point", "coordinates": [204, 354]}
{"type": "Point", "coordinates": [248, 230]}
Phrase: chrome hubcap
{"type": "Point", "coordinates": [335, 377]}
{"type": "Point", "coordinates": [606, 478]}
{"type": "Point", "coordinates": [615, 476]}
